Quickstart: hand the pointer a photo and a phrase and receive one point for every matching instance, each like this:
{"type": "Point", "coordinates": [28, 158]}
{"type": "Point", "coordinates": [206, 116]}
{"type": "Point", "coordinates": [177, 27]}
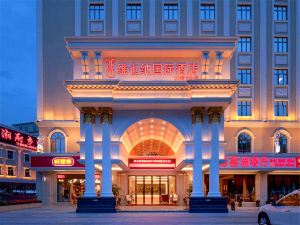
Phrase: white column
{"type": "Point", "coordinates": [214, 119]}
{"type": "Point", "coordinates": [197, 119]}
{"type": "Point", "coordinates": [106, 115]}
{"type": "Point", "coordinates": [261, 187]}
{"type": "Point", "coordinates": [89, 120]}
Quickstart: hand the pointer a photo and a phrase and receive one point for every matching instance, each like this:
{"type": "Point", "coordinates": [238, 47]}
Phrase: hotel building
{"type": "Point", "coordinates": [165, 99]}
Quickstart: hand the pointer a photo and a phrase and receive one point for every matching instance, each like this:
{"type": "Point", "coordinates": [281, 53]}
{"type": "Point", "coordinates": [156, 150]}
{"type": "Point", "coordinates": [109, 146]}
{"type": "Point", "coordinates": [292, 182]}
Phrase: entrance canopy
{"type": "Point", "coordinates": [152, 136]}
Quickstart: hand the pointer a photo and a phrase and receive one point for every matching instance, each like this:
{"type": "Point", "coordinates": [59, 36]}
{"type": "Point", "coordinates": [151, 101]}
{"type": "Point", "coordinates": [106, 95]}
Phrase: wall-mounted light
{"type": "Point", "coordinates": [205, 65]}
{"type": "Point", "coordinates": [98, 65]}
{"type": "Point", "coordinates": [84, 65]}
{"type": "Point", "coordinates": [219, 64]}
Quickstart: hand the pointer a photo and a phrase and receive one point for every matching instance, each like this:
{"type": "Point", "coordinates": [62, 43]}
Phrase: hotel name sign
{"type": "Point", "coordinates": [155, 163]}
{"type": "Point", "coordinates": [260, 162]}
{"type": "Point", "coordinates": [151, 70]}
{"type": "Point", "coordinates": [19, 139]}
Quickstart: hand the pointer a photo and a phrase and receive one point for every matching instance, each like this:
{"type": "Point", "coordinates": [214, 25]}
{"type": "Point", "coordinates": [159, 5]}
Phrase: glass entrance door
{"type": "Point", "coordinates": [151, 190]}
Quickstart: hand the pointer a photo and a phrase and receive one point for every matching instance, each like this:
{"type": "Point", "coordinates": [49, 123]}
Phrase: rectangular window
{"type": "Point", "coordinates": [2, 153]}
{"type": "Point", "coordinates": [244, 108]}
{"type": "Point", "coordinates": [244, 76]}
{"type": "Point", "coordinates": [26, 157]}
{"type": "Point", "coordinates": [280, 108]}
{"type": "Point", "coordinates": [10, 171]}
{"type": "Point", "coordinates": [1, 172]}
{"type": "Point", "coordinates": [280, 12]}
{"type": "Point", "coordinates": [281, 77]}
{"type": "Point", "coordinates": [10, 154]}
{"type": "Point", "coordinates": [244, 12]}
{"type": "Point", "coordinates": [134, 11]}
{"type": "Point", "coordinates": [27, 173]}
{"type": "Point", "coordinates": [170, 11]}
{"type": "Point", "coordinates": [96, 11]}
{"type": "Point", "coordinates": [244, 44]}
{"type": "Point", "coordinates": [207, 12]}
{"type": "Point", "coordinates": [280, 44]}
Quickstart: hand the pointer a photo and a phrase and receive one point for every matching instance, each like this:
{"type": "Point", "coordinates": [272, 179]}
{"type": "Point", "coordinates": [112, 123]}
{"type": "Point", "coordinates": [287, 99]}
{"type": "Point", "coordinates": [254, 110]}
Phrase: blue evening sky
{"type": "Point", "coordinates": [17, 61]}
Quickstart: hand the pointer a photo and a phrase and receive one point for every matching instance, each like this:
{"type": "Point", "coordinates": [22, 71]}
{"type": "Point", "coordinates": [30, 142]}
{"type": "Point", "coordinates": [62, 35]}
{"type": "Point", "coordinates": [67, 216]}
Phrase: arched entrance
{"type": "Point", "coordinates": [153, 145]}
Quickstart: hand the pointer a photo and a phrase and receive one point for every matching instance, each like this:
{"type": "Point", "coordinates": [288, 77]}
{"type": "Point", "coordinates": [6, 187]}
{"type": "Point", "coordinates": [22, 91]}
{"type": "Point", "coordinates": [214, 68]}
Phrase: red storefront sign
{"type": "Point", "coordinates": [168, 70]}
{"type": "Point", "coordinates": [260, 162]}
{"type": "Point", "coordinates": [56, 161]}
{"type": "Point", "coordinates": [19, 139]}
{"type": "Point", "coordinates": [146, 163]}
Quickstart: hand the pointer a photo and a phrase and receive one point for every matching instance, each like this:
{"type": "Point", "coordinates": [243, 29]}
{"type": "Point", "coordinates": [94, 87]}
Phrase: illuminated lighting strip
{"type": "Point", "coordinates": [152, 165]}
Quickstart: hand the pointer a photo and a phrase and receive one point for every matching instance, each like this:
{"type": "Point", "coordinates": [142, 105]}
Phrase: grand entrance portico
{"type": "Point", "coordinates": [154, 102]}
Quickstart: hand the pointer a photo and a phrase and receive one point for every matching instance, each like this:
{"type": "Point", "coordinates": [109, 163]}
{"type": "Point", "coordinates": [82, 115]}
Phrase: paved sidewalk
{"type": "Point", "coordinates": [63, 214]}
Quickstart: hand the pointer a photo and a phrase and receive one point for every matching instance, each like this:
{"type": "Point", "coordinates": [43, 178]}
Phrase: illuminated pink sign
{"type": "Point", "coordinates": [145, 163]}
{"type": "Point", "coordinates": [258, 162]}
{"type": "Point", "coordinates": [170, 71]}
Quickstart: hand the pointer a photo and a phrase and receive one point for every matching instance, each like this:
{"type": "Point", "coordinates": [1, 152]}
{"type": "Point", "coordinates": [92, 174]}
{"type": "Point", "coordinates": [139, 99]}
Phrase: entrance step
{"type": "Point", "coordinates": [151, 209]}
{"type": "Point", "coordinates": [208, 205]}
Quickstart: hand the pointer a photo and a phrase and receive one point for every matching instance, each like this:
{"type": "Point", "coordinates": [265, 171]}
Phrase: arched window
{"type": "Point", "coordinates": [244, 142]}
{"type": "Point", "coordinates": [280, 143]}
{"type": "Point", "coordinates": [57, 142]}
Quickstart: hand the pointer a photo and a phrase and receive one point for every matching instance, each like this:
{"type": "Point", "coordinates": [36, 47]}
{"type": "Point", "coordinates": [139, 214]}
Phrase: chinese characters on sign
{"type": "Point", "coordinates": [62, 161]}
{"type": "Point", "coordinates": [152, 163]}
{"type": "Point", "coordinates": [169, 71]}
{"type": "Point", "coordinates": [16, 138]}
{"type": "Point", "coordinates": [258, 162]}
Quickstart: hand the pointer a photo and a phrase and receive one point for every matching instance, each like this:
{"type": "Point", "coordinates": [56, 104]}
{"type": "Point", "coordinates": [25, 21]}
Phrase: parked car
{"type": "Point", "coordinates": [285, 211]}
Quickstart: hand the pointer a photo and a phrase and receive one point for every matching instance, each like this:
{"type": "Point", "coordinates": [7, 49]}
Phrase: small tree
{"type": "Point", "coordinates": [189, 190]}
{"type": "Point", "coordinates": [116, 190]}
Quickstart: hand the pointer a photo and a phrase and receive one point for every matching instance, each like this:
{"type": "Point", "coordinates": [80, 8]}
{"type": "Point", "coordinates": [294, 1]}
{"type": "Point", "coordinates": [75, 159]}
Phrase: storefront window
{"type": "Point", "coordinates": [280, 143]}
{"type": "Point", "coordinates": [244, 143]}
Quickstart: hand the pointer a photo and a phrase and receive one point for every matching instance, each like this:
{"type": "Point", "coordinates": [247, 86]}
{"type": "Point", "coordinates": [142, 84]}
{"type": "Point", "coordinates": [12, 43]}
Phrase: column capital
{"type": "Point", "coordinates": [214, 114]}
{"type": "Point", "coordinates": [105, 114]}
{"type": "Point", "coordinates": [197, 114]}
{"type": "Point", "coordinates": [89, 114]}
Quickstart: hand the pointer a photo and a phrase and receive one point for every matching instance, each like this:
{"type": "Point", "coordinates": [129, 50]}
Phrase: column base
{"type": "Point", "coordinates": [208, 205]}
{"type": "Point", "coordinates": [214, 194]}
{"type": "Point", "coordinates": [96, 205]}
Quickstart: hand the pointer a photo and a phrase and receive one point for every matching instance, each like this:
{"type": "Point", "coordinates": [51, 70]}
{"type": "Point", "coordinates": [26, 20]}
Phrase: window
{"type": "Point", "coordinates": [57, 142]}
{"type": "Point", "coordinates": [244, 108]}
{"type": "Point", "coordinates": [244, 44]}
{"type": "Point", "coordinates": [26, 157]}
{"type": "Point", "coordinates": [10, 154]}
{"type": "Point", "coordinates": [244, 143]}
{"type": "Point", "coordinates": [134, 11]}
{"type": "Point", "coordinates": [170, 11]}
{"type": "Point", "coordinates": [280, 44]}
{"type": "Point", "coordinates": [244, 12]}
{"type": "Point", "coordinates": [244, 76]}
{"type": "Point", "coordinates": [280, 77]}
{"type": "Point", "coordinates": [280, 12]}
{"type": "Point", "coordinates": [2, 153]}
{"type": "Point", "coordinates": [280, 143]}
{"type": "Point", "coordinates": [96, 12]}
{"type": "Point", "coordinates": [1, 172]}
{"type": "Point", "coordinates": [207, 12]}
{"type": "Point", "coordinates": [27, 172]}
{"type": "Point", "coordinates": [280, 108]}
{"type": "Point", "coordinates": [291, 200]}
{"type": "Point", "coordinates": [10, 171]}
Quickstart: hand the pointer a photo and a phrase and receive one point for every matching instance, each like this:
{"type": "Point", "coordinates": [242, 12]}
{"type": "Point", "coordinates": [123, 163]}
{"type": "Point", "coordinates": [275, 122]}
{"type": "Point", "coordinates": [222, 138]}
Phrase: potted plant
{"type": "Point", "coordinates": [257, 203]}
{"type": "Point", "coordinates": [116, 191]}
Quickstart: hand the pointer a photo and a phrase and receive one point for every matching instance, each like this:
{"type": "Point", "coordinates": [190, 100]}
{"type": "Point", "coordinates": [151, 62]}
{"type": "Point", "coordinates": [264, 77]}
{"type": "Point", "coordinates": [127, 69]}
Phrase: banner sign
{"type": "Point", "coordinates": [151, 70]}
{"type": "Point", "coordinates": [19, 139]}
{"type": "Point", "coordinates": [260, 162]}
{"type": "Point", "coordinates": [56, 161]}
{"type": "Point", "coordinates": [145, 163]}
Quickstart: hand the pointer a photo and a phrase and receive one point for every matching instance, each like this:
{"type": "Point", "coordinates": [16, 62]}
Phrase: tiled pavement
{"type": "Point", "coordinates": [65, 214]}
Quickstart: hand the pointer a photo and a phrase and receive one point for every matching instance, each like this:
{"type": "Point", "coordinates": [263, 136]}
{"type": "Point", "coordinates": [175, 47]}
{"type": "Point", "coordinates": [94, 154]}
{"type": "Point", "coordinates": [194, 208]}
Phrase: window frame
{"type": "Point", "coordinates": [11, 168]}
{"type": "Point", "coordinates": [280, 73]}
{"type": "Point", "coordinates": [242, 103]}
{"type": "Point", "coordinates": [245, 74]}
{"type": "Point", "coordinates": [137, 11]}
{"type": "Point", "coordinates": [25, 157]}
{"type": "Point", "coordinates": [27, 172]}
{"type": "Point", "coordinates": [281, 44]}
{"type": "Point", "coordinates": [244, 14]}
{"type": "Point", "coordinates": [13, 154]}
{"type": "Point", "coordinates": [207, 11]}
{"type": "Point", "coordinates": [101, 12]}
{"type": "Point", "coordinates": [276, 11]}
{"type": "Point", "coordinates": [248, 148]}
{"type": "Point", "coordinates": [245, 44]}
{"type": "Point", "coordinates": [62, 150]}
{"type": "Point", "coordinates": [280, 112]}
{"type": "Point", "coordinates": [170, 11]}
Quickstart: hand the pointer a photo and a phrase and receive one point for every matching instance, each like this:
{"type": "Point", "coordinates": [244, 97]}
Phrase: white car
{"type": "Point", "coordinates": [286, 211]}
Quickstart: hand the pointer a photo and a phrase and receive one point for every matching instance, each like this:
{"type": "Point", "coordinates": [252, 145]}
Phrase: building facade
{"type": "Point", "coordinates": [17, 180]}
{"type": "Point", "coordinates": [155, 96]}
{"type": "Point", "coordinates": [30, 128]}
